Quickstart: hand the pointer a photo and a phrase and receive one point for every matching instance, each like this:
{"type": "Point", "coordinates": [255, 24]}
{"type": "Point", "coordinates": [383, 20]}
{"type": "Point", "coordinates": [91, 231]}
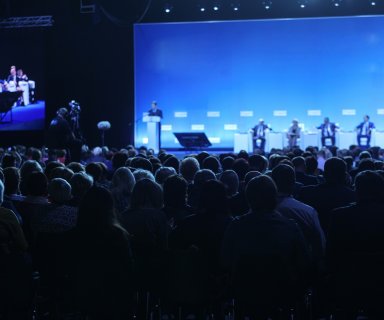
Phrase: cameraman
{"type": "Point", "coordinates": [61, 136]}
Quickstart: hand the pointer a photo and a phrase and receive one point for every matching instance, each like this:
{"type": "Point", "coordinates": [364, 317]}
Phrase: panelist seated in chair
{"type": "Point", "coordinates": [259, 132]}
{"type": "Point", "coordinates": [328, 132]}
{"type": "Point", "coordinates": [293, 133]}
{"type": "Point", "coordinates": [364, 132]}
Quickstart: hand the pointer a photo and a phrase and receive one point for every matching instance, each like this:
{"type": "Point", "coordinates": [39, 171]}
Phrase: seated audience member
{"type": "Point", "coordinates": [163, 173]}
{"type": "Point", "coordinates": [258, 162]}
{"type": "Point", "coordinates": [80, 183]}
{"type": "Point", "coordinates": [61, 172]}
{"type": "Point", "coordinates": [144, 220]}
{"type": "Point", "coordinates": [94, 170]}
{"type": "Point", "coordinates": [212, 163]}
{"type": "Point", "coordinates": [141, 174]}
{"type": "Point", "coordinates": [11, 234]}
{"type": "Point", "coordinates": [300, 172]}
{"type": "Point", "coordinates": [76, 167]}
{"type": "Point", "coordinates": [194, 189]}
{"type": "Point", "coordinates": [205, 230]}
{"type": "Point", "coordinates": [8, 160]}
{"type": "Point", "coordinates": [141, 163]}
{"type": "Point", "coordinates": [119, 159]}
{"type": "Point", "coordinates": [271, 243]}
{"type": "Point", "coordinates": [51, 166]}
{"type": "Point", "coordinates": [231, 182]}
{"type": "Point", "coordinates": [334, 193]}
{"type": "Point", "coordinates": [175, 199]}
{"type": "Point", "coordinates": [99, 259]}
{"type": "Point", "coordinates": [227, 163]}
{"type": "Point", "coordinates": [188, 168]}
{"type": "Point", "coordinates": [11, 184]}
{"type": "Point", "coordinates": [201, 157]}
{"type": "Point", "coordinates": [122, 185]}
{"type": "Point", "coordinates": [355, 243]}
{"type": "Point", "coordinates": [57, 216]}
{"type": "Point", "coordinates": [241, 167]}
{"type": "Point", "coordinates": [26, 169]}
{"type": "Point", "coordinates": [173, 162]}
{"type": "Point", "coordinates": [305, 216]}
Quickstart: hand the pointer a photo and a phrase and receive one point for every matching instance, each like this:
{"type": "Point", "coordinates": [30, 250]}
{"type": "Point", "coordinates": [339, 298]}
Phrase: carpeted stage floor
{"type": "Point", "coordinates": [31, 117]}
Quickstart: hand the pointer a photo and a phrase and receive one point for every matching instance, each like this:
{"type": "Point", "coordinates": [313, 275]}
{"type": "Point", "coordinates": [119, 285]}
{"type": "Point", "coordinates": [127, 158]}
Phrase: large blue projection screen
{"type": "Point", "coordinates": [221, 77]}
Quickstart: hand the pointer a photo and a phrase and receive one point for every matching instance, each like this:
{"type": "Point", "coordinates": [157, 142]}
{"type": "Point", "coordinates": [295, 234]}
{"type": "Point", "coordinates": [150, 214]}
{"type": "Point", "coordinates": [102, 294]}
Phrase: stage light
{"type": "Point", "coordinates": [302, 3]}
{"type": "Point", "coordinates": [373, 3]}
{"type": "Point", "coordinates": [202, 8]}
{"type": "Point", "coordinates": [337, 3]}
{"type": "Point", "coordinates": [267, 4]}
{"type": "Point", "coordinates": [168, 8]}
{"type": "Point", "coordinates": [235, 6]}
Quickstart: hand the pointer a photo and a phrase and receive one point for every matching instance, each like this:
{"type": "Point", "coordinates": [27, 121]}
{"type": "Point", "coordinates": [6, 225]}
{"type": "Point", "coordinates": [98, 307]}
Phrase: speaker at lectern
{"type": "Point", "coordinates": [153, 131]}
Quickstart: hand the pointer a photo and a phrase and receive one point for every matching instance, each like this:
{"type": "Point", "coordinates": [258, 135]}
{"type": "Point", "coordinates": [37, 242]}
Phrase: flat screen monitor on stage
{"type": "Point", "coordinates": [221, 77]}
{"type": "Point", "coordinates": [22, 85]}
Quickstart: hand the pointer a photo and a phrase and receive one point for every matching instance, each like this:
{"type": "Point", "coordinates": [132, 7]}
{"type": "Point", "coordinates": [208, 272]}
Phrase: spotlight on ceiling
{"type": "Point", "coordinates": [216, 7]}
{"type": "Point", "coordinates": [337, 3]}
{"type": "Point", "coordinates": [168, 8]}
{"type": "Point", "coordinates": [202, 8]}
{"type": "Point", "coordinates": [302, 3]}
{"type": "Point", "coordinates": [235, 6]}
{"type": "Point", "coordinates": [267, 4]}
{"type": "Point", "coordinates": [372, 3]}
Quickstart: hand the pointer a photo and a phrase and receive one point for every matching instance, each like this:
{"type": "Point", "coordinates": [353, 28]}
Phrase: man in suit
{"type": "Point", "coordinates": [332, 194]}
{"type": "Point", "coordinates": [328, 131]}
{"type": "Point", "coordinates": [293, 134]}
{"type": "Point", "coordinates": [156, 112]}
{"type": "Point", "coordinates": [259, 135]}
{"type": "Point", "coordinates": [265, 235]}
{"type": "Point", "coordinates": [364, 130]}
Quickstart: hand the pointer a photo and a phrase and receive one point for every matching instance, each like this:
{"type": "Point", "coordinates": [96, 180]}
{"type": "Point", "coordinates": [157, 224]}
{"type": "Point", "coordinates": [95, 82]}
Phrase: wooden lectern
{"type": "Point", "coordinates": [153, 131]}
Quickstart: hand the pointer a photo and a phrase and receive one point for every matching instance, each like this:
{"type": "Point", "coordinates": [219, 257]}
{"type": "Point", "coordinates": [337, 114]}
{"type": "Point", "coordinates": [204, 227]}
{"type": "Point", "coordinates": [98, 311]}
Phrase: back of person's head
{"type": "Point", "coordinates": [231, 181]}
{"type": "Point", "coordinates": [349, 161]}
{"type": "Point", "coordinates": [141, 163]}
{"type": "Point", "coordinates": [123, 180]}
{"type": "Point", "coordinates": [261, 193]}
{"type": "Point", "coordinates": [28, 167]}
{"type": "Point", "coordinates": [243, 155]}
{"type": "Point", "coordinates": [241, 167]}
{"type": "Point", "coordinates": [95, 170]}
{"type": "Point", "coordinates": [147, 194]}
{"type": "Point", "coordinates": [227, 163]}
{"type": "Point", "coordinates": [96, 211]}
{"type": "Point", "coordinates": [8, 160]}
{"type": "Point", "coordinates": [163, 173]}
{"type": "Point", "coordinates": [172, 161]}
{"type": "Point", "coordinates": [62, 172]}
{"type": "Point", "coordinates": [36, 154]}
{"type": "Point", "coordinates": [141, 174]}
{"type": "Point", "coordinates": [80, 183]}
{"type": "Point", "coordinates": [299, 164]}
{"type": "Point", "coordinates": [201, 157]}
{"type": "Point", "coordinates": [51, 166]}
{"type": "Point", "coordinates": [335, 170]}
{"type": "Point", "coordinates": [213, 198]}
{"type": "Point", "coordinates": [76, 167]}
{"type": "Point", "coordinates": [250, 175]}
{"type": "Point", "coordinates": [36, 184]}
{"type": "Point", "coordinates": [258, 162]}
{"type": "Point", "coordinates": [379, 165]}
{"type": "Point", "coordinates": [284, 178]}
{"type": "Point", "coordinates": [366, 164]}
{"type": "Point", "coordinates": [311, 164]}
{"type": "Point", "coordinates": [119, 159]}
{"type": "Point", "coordinates": [175, 191]}
{"type": "Point", "coordinates": [369, 187]}
{"type": "Point", "coordinates": [203, 175]}
{"type": "Point", "coordinates": [11, 180]}
{"type": "Point", "coordinates": [365, 155]}
{"type": "Point", "coordinates": [211, 163]}
{"type": "Point", "coordinates": [188, 168]}
{"type": "Point", "coordinates": [59, 191]}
